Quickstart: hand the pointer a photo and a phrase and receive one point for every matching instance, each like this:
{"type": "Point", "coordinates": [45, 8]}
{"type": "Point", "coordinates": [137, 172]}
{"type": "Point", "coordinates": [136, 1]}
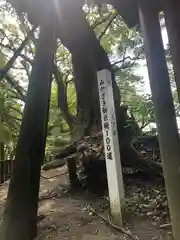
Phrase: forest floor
{"type": "Point", "coordinates": [67, 215]}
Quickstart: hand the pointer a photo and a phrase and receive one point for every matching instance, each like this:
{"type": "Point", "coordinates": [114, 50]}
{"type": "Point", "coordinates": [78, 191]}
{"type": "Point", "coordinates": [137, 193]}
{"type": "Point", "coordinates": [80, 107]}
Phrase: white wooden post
{"type": "Point", "coordinates": [111, 145]}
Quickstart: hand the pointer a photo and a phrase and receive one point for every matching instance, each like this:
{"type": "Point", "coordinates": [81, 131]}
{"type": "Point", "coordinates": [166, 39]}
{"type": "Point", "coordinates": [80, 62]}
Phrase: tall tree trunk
{"type": "Point", "coordinates": [20, 215]}
{"type": "Point", "coordinates": [164, 109]}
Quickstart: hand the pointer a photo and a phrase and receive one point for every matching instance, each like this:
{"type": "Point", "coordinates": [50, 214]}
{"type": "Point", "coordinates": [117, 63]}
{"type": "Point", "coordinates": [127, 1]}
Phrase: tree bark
{"type": "Point", "coordinates": [20, 215]}
{"type": "Point", "coordinates": [164, 109]}
{"type": "Point", "coordinates": [83, 59]}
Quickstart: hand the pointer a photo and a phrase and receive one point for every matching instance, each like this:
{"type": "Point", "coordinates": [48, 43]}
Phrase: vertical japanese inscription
{"type": "Point", "coordinates": [105, 119]}
{"type": "Point", "coordinates": [113, 122]}
{"type": "Point", "coordinates": [111, 145]}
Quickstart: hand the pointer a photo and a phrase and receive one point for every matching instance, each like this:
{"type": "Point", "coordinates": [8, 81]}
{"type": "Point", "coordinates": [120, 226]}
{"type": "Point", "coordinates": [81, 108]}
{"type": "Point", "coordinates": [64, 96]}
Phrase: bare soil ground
{"type": "Point", "coordinates": [67, 215]}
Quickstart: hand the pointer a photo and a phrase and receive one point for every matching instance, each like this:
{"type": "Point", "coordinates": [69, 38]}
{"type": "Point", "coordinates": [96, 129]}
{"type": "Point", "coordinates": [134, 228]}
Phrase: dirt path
{"type": "Point", "coordinates": [67, 216]}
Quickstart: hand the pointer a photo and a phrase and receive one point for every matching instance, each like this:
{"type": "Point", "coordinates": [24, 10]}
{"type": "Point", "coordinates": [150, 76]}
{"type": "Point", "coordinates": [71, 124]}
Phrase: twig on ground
{"type": "Point", "coordinates": [166, 225]}
{"type": "Point", "coordinates": [120, 229]}
{"type": "Point", "coordinates": [49, 229]}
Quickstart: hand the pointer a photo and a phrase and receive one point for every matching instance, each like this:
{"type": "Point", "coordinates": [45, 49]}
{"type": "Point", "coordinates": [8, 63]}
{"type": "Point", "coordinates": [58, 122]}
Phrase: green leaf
{"type": "Point", "coordinates": [5, 134]}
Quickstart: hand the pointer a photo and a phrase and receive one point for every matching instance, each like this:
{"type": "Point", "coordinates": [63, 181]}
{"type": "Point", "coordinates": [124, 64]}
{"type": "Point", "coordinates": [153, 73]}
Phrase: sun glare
{"type": "Point", "coordinates": [57, 7]}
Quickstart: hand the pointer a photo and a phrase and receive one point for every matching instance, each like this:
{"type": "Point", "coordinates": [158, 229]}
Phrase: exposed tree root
{"type": "Point", "coordinates": [90, 150]}
{"type": "Point", "coordinates": [55, 176]}
{"type": "Point", "coordinates": [114, 226]}
{"type": "Point", "coordinates": [54, 164]}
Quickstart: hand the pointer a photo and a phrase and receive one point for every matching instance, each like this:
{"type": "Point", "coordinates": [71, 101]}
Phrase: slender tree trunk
{"type": "Point", "coordinates": [20, 215]}
{"type": "Point", "coordinates": [62, 97]}
{"type": "Point", "coordinates": [2, 152]}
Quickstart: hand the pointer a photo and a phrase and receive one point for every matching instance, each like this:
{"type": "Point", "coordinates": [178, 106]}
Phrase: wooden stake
{"type": "Point", "coordinates": [111, 145]}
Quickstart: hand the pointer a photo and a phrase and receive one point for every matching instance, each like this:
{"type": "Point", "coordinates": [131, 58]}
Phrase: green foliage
{"type": "Point", "coordinates": [59, 133]}
{"type": "Point", "coordinates": [140, 106]}
{"type": "Point", "coordinates": [71, 93]}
